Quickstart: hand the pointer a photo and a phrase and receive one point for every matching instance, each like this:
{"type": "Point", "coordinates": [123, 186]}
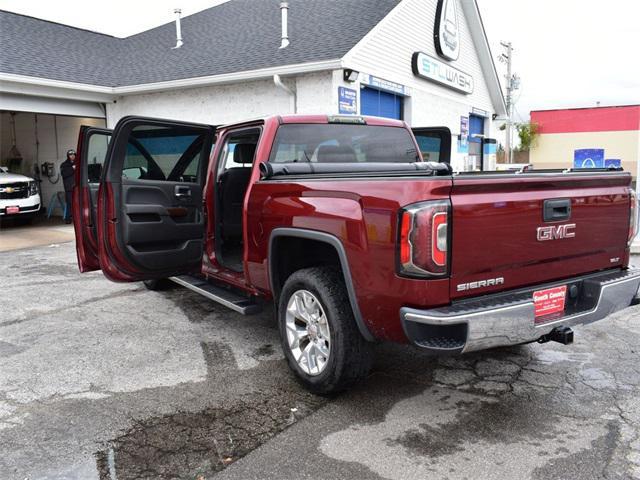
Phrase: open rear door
{"type": "Point", "coordinates": [434, 143]}
{"type": "Point", "coordinates": [91, 154]}
{"type": "Point", "coordinates": [150, 214]}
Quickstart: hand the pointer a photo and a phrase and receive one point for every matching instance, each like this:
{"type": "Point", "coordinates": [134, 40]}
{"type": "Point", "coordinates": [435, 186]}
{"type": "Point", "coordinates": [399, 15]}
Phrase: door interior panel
{"type": "Point", "coordinates": [156, 169]}
{"type": "Point", "coordinates": [155, 220]}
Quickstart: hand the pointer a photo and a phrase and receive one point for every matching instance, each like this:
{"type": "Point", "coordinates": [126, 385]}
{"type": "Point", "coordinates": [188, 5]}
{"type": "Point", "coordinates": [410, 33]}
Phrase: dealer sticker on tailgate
{"type": "Point", "coordinates": [549, 301]}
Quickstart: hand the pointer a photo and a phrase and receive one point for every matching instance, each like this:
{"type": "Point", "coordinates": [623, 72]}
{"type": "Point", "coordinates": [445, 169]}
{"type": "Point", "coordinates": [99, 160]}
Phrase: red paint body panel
{"type": "Point", "coordinates": [112, 263]}
{"type": "Point", "coordinates": [86, 246]}
{"type": "Point", "coordinates": [495, 224]}
{"type": "Point", "coordinates": [363, 214]}
{"type": "Point", "coordinates": [600, 119]}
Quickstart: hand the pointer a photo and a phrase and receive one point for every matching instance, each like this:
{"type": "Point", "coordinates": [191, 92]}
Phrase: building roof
{"type": "Point", "coordinates": [237, 36]}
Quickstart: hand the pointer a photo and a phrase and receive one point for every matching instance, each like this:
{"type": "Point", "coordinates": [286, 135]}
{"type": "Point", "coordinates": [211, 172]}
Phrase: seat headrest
{"type": "Point", "coordinates": [336, 154]}
{"type": "Point", "coordinates": [244, 152]}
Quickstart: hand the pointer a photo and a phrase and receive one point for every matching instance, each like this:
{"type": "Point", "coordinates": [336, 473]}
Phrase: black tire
{"type": "Point", "coordinates": [26, 219]}
{"type": "Point", "coordinates": [350, 356]}
{"type": "Point", "coordinates": [159, 284]}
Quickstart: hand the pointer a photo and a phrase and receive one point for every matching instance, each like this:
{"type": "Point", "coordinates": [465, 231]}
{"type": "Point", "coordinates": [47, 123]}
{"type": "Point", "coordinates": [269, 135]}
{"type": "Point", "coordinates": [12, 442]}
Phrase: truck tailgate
{"type": "Point", "coordinates": [501, 240]}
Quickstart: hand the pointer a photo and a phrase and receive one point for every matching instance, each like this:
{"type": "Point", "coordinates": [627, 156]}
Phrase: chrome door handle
{"type": "Point", "coordinates": [182, 192]}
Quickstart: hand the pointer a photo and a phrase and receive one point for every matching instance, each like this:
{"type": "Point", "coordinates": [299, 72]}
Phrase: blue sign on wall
{"type": "Point", "coordinates": [612, 162]}
{"type": "Point", "coordinates": [588, 158]}
{"type": "Point", "coordinates": [382, 84]}
{"type": "Point", "coordinates": [347, 101]}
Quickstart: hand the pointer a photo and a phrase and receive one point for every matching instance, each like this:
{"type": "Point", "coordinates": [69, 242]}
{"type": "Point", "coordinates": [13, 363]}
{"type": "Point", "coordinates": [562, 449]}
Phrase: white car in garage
{"type": "Point", "coordinates": [19, 195]}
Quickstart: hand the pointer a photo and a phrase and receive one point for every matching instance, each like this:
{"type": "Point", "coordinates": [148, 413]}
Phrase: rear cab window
{"type": "Point", "coordinates": [343, 143]}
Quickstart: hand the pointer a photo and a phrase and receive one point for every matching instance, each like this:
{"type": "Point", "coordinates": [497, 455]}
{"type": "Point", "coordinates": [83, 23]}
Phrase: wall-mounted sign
{"type": "Point", "coordinates": [382, 84]}
{"type": "Point", "coordinates": [446, 32]}
{"type": "Point", "coordinates": [437, 71]}
{"type": "Point", "coordinates": [479, 112]}
{"type": "Point", "coordinates": [464, 133]}
{"type": "Point", "coordinates": [588, 158]}
{"type": "Point", "coordinates": [347, 101]}
{"type": "Point", "coordinates": [612, 163]}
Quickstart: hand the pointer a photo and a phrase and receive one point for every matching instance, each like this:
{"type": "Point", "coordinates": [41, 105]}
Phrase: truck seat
{"type": "Point", "coordinates": [233, 185]}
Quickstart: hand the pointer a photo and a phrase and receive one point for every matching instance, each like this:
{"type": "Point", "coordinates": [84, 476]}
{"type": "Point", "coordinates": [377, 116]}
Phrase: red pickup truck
{"type": "Point", "coordinates": [358, 231]}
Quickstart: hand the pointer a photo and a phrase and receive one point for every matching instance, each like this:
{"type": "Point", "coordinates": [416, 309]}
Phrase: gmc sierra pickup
{"type": "Point", "coordinates": [355, 237]}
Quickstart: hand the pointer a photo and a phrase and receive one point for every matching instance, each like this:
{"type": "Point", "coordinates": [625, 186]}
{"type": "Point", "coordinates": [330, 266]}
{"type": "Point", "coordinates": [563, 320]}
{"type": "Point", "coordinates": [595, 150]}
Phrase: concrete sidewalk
{"type": "Point", "coordinates": [15, 236]}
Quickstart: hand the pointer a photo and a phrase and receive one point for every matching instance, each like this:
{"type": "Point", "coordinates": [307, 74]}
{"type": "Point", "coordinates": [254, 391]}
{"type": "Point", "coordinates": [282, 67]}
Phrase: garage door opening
{"type": "Point", "coordinates": [33, 145]}
{"type": "Point", "coordinates": [378, 103]}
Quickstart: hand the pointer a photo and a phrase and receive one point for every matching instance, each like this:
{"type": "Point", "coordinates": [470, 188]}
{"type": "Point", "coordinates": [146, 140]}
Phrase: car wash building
{"type": "Point", "coordinates": [424, 61]}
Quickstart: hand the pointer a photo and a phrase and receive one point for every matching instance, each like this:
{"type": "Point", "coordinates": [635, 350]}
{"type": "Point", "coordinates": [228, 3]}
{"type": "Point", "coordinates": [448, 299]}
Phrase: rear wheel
{"type": "Point", "coordinates": [319, 335]}
{"type": "Point", "coordinates": [159, 284]}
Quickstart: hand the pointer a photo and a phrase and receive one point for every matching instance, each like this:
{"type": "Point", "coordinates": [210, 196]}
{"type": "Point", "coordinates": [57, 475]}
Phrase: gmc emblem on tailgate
{"type": "Point", "coordinates": [556, 232]}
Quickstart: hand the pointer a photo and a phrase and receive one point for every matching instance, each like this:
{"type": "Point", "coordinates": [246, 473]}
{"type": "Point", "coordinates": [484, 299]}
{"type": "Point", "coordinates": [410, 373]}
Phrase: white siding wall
{"type": "Point", "coordinates": [318, 93]}
{"type": "Point", "coordinates": [47, 150]}
{"type": "Point", "coordinates": [229, 103]}
{"type": "Point", "coordinates": [387, 51]}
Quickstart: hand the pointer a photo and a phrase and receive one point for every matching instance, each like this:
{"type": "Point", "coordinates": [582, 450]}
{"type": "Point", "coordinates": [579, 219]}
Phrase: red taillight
{"type": "Point", "coordinates": [633, 216]}
{"type": "Point", "coordinates": [405, 247]}
{"type": "Point", "coordinates": [424, 239]}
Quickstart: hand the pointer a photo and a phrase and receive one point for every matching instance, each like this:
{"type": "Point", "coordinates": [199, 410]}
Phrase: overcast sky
{"type": "Point", "coordinates": [568, 53]}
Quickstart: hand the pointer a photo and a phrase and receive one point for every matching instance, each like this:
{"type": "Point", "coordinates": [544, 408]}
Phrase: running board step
{"type": "Point", "coordinates": [234, 301]}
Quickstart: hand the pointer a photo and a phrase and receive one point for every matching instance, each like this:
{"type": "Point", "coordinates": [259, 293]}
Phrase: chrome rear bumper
{"type": "Point", "coordinates": [509, 319]}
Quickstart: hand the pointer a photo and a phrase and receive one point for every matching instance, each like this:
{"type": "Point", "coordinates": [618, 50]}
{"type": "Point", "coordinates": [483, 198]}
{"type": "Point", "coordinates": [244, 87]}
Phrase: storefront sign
{"type": "Point", "coordinates": [446, 32]}
{"type": "Point", "coordinates": [588, 158]}
{"type": "Point", "coordinates": [479, 112]}
{"type": "Point", "coordinates": [347, 101]}
{"type": "Point", "coordinates": [437, 71]}
{"type": "Point", "coordinates": [382, 84]}
{"type": "Point", "coordinates": [612, 163]}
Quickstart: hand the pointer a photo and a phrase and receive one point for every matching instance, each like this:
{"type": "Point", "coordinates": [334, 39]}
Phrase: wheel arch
{"type": "Point", "coordinates": [332, 242]}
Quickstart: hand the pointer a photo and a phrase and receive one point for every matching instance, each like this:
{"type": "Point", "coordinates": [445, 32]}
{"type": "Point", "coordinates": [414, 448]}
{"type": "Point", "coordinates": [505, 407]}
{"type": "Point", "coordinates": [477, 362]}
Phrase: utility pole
{"type": "Point", "coordinates": [513, 83]}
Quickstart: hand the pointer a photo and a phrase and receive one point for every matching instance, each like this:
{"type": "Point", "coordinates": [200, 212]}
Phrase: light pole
{"type": "Point", "coordinates": [513, 83]}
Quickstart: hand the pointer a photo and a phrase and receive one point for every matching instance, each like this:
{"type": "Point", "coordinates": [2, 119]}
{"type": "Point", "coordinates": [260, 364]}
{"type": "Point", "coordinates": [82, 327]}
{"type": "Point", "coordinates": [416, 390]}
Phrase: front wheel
{"type": "Point", "coordinates": [320, 338]}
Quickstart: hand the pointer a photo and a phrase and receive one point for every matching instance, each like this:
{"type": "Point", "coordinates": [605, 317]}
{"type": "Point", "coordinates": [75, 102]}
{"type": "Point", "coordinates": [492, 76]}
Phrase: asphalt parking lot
{"type": "Point", "coordinates": [110, 381]}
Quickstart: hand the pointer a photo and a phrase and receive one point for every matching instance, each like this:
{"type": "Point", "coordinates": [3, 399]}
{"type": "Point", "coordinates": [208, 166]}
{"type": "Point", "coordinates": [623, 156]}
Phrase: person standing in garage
{"type": "Point", "coordinates": [67, 170]}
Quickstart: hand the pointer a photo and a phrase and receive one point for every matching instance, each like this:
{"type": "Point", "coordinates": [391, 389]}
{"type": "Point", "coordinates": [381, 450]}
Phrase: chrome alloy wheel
{"type": "Point", "coordinates": [308, 334]}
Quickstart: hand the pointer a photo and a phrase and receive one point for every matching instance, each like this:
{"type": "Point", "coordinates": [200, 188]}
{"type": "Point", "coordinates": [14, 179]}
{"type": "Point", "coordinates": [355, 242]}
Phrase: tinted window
{"type": "Point", "coordinates": [429, 147]}
{"type": "Point", "coordinates": [96, 153]}
{"type": "Point", "coordinates": [158, 153]}
{"type": "Point", "coordinates": [239, 149]}
{"type": "Point", "coordinates": [343, 143]}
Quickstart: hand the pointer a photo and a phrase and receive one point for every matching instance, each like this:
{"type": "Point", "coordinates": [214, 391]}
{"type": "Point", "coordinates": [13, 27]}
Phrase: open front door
{"type": "Point", "coordinates": [150, 214]}
{"type": "Point", "coordinates": [91, 154]}
{"type": "Point", "coordinates": [434, 143]}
